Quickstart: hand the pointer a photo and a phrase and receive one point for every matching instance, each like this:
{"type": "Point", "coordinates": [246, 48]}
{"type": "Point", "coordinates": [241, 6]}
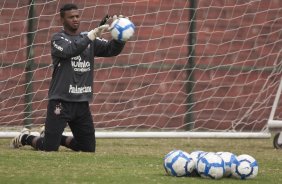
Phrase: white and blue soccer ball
{"type": "Point", "coordinates": [122, 29]}
{"type": "Point", "coordinates": [178, 163]}
{"type": "Point", "coordinates": [246, 167]}
{"type": "Point", "coordinates": [228, 158]}
{"type": "Point", "coordinates": [210, 166]}
{"type": "Point", "coordinates": [195, 156]}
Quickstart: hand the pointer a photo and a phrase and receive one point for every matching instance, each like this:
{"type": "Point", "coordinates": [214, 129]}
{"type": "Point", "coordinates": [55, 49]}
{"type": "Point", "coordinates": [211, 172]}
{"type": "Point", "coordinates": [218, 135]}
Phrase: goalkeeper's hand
{"type": "Point", "coordinates": [115, 17]}
{"type": "Point", "coordinates": [97, 32]}
{"type": "Point", "coordinates": [120, 16]}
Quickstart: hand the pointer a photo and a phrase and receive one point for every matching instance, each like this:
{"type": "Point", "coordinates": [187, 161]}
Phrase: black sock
{"type": "Point", "coordinates": [23, 140]}
{"type": "Point", "coordinates": [27, 139]}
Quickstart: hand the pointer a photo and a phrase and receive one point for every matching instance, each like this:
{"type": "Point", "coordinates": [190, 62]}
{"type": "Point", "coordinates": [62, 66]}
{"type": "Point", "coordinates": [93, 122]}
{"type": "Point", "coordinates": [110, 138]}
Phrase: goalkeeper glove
{"type": "Point", "coordinates": [120, 16]}
{"type": "Point", "coordinates": [97, 32]}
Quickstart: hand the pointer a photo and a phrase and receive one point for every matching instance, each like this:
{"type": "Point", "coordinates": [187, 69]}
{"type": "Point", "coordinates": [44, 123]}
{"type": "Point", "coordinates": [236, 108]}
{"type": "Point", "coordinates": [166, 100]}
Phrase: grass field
{"type": "Point", "coordinates": [129, 161]}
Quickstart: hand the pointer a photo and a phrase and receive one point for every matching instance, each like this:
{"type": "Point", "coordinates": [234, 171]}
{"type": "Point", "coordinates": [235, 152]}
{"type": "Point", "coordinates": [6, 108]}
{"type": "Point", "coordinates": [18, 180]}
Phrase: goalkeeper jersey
{"type": "Point", "coordinates": [73, 62]}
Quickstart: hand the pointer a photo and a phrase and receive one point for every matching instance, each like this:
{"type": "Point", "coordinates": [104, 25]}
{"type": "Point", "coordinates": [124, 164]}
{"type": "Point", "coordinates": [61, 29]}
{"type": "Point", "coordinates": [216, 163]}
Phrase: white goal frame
{"type": "Point", "coordinates": [221, 74]}
{"type": "Point", "coordinates": [128, 135]}
{"type": "Point", "coordinates": [275, 125]}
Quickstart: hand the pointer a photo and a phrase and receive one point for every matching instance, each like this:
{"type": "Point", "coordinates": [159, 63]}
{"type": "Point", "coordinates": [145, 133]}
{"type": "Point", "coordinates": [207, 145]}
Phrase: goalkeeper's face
{"type": "Point", "coordinates": [71, 20]}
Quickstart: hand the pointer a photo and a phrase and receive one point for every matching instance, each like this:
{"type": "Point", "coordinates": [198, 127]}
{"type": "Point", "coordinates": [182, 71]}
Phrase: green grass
{"type": "Point", "coordinates": [129, 161]}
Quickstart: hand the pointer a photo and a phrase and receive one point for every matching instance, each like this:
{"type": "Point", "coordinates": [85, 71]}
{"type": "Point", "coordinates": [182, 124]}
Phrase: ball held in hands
{"type": "Point", "coordinates": [121, 29]}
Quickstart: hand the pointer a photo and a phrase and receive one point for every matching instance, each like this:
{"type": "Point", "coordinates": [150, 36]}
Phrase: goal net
{"type": "Point", "coordinates": [193, 68]}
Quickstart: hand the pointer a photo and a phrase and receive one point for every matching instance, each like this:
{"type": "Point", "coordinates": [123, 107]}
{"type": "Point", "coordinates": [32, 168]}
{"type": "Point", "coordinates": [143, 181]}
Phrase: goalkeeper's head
{"type": "Point", "coordinates": [70, 17]}
{"type": "Point", "coordinates": [67, 7]}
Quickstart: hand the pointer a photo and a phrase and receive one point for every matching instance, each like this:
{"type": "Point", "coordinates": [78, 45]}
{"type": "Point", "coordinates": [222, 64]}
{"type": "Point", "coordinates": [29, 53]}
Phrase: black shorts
{"type": "Point", "coordinates": [78, 116]}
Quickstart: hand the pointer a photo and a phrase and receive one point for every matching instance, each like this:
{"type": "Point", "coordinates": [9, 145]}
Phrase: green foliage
{"type": "Point", "coordinates": [129, 161]}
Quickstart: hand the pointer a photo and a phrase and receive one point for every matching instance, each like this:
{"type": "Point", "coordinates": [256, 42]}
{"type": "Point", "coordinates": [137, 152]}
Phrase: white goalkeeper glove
{"type": "Point", "coordinates": [115, 17]}
{"type": "Point", "coordinates": [97, 32]}
{"type": "Point", "coordinates": [120, 16]}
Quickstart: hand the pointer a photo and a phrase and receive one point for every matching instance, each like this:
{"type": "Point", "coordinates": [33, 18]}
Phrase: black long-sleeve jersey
{"type": "Point", "coordinates": [73, 62]}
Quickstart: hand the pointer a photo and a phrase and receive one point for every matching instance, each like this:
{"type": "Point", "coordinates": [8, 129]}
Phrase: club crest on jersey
{"type": "Point", "coordinates": [58, 109]}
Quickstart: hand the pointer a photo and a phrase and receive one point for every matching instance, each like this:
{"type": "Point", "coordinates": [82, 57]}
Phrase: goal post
{"type": "Point", "coordinates": [275, 125]}
{"type": "Point", "coordinates": [193, 69]}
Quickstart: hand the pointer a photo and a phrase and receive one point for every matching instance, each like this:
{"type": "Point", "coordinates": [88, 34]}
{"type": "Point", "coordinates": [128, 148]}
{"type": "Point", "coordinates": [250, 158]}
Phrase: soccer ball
{"type": "Point", "coordinates": [228, 159]}
{"type": "Point", "coordinates": [196, 155]}
{"type": "Point", "coordinates": [245, 167]}
{"type": "Point", "coordinates": [122, 29]}
{"type": "Point", "coordinates": [178, 163]}
{"type": "Point", "coordinates": [210, 165]}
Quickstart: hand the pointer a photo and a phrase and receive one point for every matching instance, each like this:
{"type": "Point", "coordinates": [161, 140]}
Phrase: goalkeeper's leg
{"type": "Point", "coordinates": [83, 131]}
{"type": "Point", "coordinates": [71, 143]}
{"type": "Point", "coordinates": [55, 124]}
{"type": "Point", "coordinates": [54, 127]}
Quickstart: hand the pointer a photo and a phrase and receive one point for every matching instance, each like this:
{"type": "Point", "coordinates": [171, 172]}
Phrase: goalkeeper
{"type": "Point", "coordinates": [71, 87]}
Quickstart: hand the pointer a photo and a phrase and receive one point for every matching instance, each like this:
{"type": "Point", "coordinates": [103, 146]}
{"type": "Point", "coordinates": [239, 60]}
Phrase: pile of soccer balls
{"type": "Point", "coordinates": [210, 164]}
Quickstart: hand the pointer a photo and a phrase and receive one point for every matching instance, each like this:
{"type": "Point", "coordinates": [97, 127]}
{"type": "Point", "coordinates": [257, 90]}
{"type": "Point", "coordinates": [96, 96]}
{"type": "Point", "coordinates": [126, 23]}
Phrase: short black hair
{"type": "Point", "coordinates": [67, 7]}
